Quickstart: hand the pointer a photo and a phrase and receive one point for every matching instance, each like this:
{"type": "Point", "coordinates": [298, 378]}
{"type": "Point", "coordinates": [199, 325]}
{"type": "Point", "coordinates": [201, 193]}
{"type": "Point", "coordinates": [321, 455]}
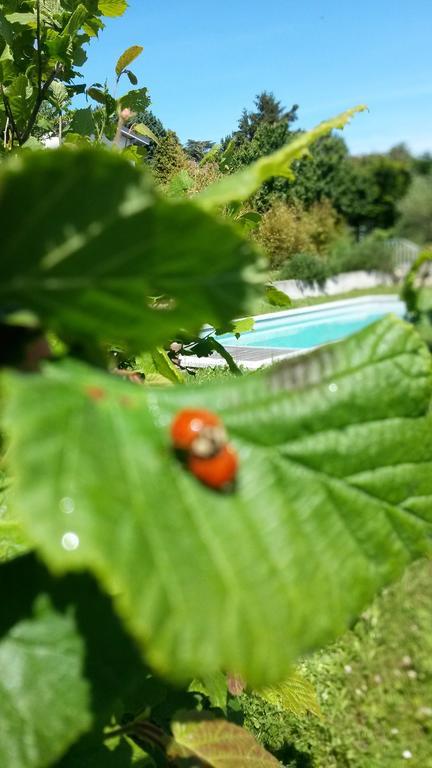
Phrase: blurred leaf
{"type": "Point", "coordinates": [127, 58]}
{"type": "Point", "coordinates": [44, 699]}
{"type": "Point", "coordinates": [277, 298]}
{"type": "Point", "coordinates": [214, 687]}
{"type": "Point", "coordinates": [180, 185]}
{"type": "Point", "coordinates": [113, 242]}
{"type": "Point", "coordinates": [165, 367]}
{"type": "Point", "coordinates": [249, 220]}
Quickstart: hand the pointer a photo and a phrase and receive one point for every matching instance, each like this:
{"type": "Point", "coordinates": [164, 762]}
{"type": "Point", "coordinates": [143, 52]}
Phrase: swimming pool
{"type": "Point", "coordinates": [312, 326]}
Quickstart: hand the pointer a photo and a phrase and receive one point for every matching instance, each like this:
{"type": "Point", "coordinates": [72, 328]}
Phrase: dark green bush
{"type": "Point", "coordinates": [307, 267]}
{"type": "Point", "coordinates": [371, 253]}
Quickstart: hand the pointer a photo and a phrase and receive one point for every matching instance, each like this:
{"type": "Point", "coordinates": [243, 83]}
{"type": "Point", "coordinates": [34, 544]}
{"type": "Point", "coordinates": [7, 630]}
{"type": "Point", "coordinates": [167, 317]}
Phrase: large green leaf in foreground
{"type": "Point", "coordinates": [86, 241]}
{"type": "Point", "coordinates": [334, 497]}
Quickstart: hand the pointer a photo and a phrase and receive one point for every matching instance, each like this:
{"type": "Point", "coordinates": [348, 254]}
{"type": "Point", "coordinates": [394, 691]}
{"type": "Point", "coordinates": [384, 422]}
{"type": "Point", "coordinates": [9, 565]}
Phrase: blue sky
{"type": "Point", "coordinates": [204, 62]}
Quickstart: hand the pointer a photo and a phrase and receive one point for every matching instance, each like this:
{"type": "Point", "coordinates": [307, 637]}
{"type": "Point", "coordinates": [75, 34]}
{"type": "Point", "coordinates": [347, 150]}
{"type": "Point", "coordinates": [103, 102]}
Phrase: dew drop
{"type": "Point", "coordinates": [67, 505]}
{"type": "Point", "coordinates": [333, 387]}
{"type": "Point", "coordinates": [70, 541]}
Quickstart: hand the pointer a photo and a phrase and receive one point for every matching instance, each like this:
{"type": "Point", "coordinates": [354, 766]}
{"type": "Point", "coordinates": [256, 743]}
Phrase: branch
{"type": "Point", "coordinates": [9, 114]}
{"type": "Point", "coordinates": [39, 53]}
{"type": "Point", "coordinates": [40, 98]}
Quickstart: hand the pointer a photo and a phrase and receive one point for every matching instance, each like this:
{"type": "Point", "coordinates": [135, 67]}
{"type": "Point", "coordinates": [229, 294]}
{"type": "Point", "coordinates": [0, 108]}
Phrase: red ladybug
{"type": "Point", "coordinates": [198, 431]}
{"type": "Point", "coordinates": [218, 471]}
{"type": "Point", "coordinates": [200, 438]}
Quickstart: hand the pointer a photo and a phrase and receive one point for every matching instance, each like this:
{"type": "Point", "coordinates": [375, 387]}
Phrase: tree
{"type": "Point", "coordinates": [415, 211]}
{"type": "Point", "coordinates": [196, 150]}
{"type": "Point", "coordinates": [373, 186]}
{"type": "Point", "coordinates": [42, 43]}
{"type": "Point", "coordinates": [169, 158]}
{"type": "Point", "coordinates": [268, 110]}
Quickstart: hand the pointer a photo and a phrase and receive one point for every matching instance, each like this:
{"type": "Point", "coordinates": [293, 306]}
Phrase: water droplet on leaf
{"type": "Point", "coordinates": [70, 541]}
{"type": "Point", "coordinates": [67, 505]}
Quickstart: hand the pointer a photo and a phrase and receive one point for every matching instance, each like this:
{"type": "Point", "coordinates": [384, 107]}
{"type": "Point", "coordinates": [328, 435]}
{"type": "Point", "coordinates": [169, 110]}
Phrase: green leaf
{"type": "Point", "coordinates": [218, 744]}
{"type": "Point", "coordinates": [214, 687]}
{"type": "Point", "coordinates": [333, 499]}
{"type": "Point", "coordinates": [59, 95]}
{"type": "Point", "coordinates": [76, 20]}
{"type": "Point", "coordinates": [111, 244]}
{"type": "Point", "coordinates": [143, 130]}
{"type": "Point", "coordinates": [127, 58]}
{"type": "Point", "coordinates": [97, 95]}
{"type": "Point", "coordinates": [296, 695]}
{"type": "Point", "coordinates": [277, 298]}
{"type": "Point", "coordinates": [112, 8]}
{"type": "Point", "coordinates": [249, 220]}
{"type": "Point", "coordinates": [241, 185]}
{"type": "Point", "coordinates": [20, 96]}
{"type": "Point", "coordinates": [165, 367]}
{"type": "Point", "coordinates": [82, 122]}
{"type": "Point", "coordinates": [132, 78]}
{"type": "Point", "coordinates": [43, 697]}
{"type": "Point", "coordinates": [243, 325]}
{"type": "Point", "coordinates": [136, 101]}
{"type": "Point", "coordinates": [23, 19]}
{"type": "Point", "coordinates": [180, 184]}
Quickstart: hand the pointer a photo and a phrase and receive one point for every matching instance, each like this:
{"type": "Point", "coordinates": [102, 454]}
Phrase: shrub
{"type": "Point", "coordinates": [169, 158]}
{"type": "Point", "coordinates": [287, 230]}
{"type": "Point", "coordinates": [283, 233]}
{"type": "Point", "coordinates": [308, 267]}
{"type": "Point", "coordinates": [371, 253]}
{"type": "Point", "coordinates": [416, 211]}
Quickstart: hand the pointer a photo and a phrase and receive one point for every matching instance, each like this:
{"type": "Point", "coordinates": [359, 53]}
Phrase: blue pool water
{"type": "Point", "coordinates": [312, 326]}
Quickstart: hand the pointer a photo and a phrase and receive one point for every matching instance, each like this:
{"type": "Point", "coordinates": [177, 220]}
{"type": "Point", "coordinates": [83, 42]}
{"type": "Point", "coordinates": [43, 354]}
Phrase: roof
{"type": "Point", "coordinates": [135, 137]}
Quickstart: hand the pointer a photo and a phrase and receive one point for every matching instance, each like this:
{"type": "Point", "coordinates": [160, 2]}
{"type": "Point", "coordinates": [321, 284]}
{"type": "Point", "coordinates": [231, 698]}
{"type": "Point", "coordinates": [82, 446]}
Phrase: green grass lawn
{"type": "Point", "coordinates": [374, 687]}
{"type": "Point", "coordinates": [262, 307]}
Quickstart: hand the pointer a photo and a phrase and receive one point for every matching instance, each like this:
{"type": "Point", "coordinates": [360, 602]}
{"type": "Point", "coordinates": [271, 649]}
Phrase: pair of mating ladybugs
{"type": "Point", "coordinates": [200, 439]}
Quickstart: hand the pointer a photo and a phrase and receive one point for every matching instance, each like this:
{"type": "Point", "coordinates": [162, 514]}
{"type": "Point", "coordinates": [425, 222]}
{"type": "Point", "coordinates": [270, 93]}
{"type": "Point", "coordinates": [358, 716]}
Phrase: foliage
{"type": "Point", "coordinates": [373, 186]}
{"type": "Point", "coordinates": [287, 230]}
{"type": "Point", "coordinates": [373, 685]}
{"type": "Point", "coordinates": [417, 294]}
{"type": "Point", "coordinates": [371, 253]}
{"type": "Point", "coordinates": [416, 211]}
{"type": "Point", "coordinates": [245, 183]}
{"type": "Point", "coordinates": [218, 744]}
{"type": "Point", "coordinates": [307, 267]}
{"type": "Point", "coordinates": [268, 111]}
{"type": "Point", "coordinates": [169, 159]}
{"type": "Point", "coordinates": [149, 119]}
{"type": "Point", "coordinates": [322, 175]}
{"type": "Point", "coordinates": [323, 511]}
{"type": "Point", "coordinates": [42, 42]}
{"type": "Point", "coordinates": [104, 205]}
{"type": "Point", "coordinates": [197, 150]}
{"type": "Point", "coordinates": [291, 460]}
